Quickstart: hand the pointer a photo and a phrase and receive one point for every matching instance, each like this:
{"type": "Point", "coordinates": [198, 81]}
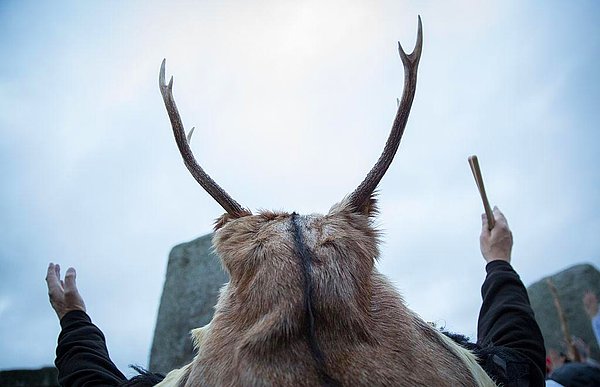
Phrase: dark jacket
{"type": "Point", "coordinates": [510, 345]}
{"type": "Point", "coordinates": [82, 358]}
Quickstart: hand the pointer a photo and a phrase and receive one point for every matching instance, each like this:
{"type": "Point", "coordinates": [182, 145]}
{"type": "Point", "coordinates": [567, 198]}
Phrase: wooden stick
{"type": "Point", "coordinates": [474, 163]}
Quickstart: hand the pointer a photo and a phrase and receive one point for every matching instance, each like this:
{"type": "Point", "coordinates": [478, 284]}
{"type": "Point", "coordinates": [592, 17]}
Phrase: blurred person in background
{"type": "Point", "coordinates": [590, 304]}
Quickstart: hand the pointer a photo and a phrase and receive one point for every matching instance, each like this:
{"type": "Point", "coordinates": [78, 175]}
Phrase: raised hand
{"type": "Point", "coordinates": [64, 296]}
{"type": "Point", "coordinates": [496, 244]}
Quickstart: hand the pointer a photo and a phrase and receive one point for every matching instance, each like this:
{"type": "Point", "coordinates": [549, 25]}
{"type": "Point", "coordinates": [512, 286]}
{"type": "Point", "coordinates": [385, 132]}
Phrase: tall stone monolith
{"type": "Point", "coordinates": [571, 285]}
{"type": "Point", "coordinates": [194, 277]}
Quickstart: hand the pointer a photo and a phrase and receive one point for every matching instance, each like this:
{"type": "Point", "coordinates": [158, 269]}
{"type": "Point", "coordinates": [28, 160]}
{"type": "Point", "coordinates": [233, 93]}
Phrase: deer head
{"type": "Point", "coordinates": [305, 304]}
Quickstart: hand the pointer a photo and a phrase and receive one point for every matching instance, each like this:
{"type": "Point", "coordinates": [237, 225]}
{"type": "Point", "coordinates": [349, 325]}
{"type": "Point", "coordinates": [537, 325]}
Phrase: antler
{"type": "Point", "coordinates": [231, 206]}
{"type": "Point", "coordinates": [360, 197]}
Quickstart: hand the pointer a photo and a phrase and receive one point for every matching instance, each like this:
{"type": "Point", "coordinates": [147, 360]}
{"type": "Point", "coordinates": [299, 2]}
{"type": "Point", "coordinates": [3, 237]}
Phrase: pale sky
{"type": "Point", "coordinates": [292, 103]}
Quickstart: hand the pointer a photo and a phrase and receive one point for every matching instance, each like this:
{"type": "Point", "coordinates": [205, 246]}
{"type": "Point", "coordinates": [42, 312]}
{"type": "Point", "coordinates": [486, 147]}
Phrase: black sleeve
{"type": "Point", "coordinates": [81, 355]}
{"type": "Point", "coordinates": [507, 322]}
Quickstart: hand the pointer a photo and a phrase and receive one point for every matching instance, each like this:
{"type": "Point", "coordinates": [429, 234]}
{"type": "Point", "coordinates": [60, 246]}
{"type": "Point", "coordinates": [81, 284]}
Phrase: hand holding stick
{"type": "Point", "coordinates": [474, 163]}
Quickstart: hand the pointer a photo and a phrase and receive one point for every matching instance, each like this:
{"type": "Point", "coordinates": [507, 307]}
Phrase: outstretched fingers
{"type": "Point", "coordinates": [50, 274]}
{"type": "Point", "coordinates": [70, 280]}
{"type": "Point", "coordinates": [63, 294]}
{"type": "Point", "coordinates": [53, 279]}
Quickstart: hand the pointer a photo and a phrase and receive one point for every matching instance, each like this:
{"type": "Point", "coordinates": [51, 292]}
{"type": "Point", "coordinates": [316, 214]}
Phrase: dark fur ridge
{"type": "Point", "coordinates": [306, 306]}
{"type": "Point", "coordinates": [306, 259]}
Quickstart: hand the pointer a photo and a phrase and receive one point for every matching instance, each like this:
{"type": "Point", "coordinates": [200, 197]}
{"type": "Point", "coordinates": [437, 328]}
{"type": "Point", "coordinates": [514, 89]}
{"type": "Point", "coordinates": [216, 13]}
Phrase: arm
{"type": "Point", "coordinates": [82, 358]}
{"type": "Point", "coordinates": [506, 320]}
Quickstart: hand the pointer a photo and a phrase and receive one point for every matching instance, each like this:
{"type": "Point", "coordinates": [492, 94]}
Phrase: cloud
{"type": "Point", "coordinates": [292, 103]}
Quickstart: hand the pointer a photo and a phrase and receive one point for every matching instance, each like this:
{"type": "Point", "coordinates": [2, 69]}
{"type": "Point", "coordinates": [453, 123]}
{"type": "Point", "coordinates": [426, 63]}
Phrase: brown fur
{"type": "Point", "coordinates": [305, 304]}
{"type": "Point", "coordinates": [367, 334]}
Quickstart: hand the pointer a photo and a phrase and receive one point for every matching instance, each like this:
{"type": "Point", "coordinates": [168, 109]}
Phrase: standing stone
{"type": "Point", "coordinates": [571, 284]}
{"type": "Point", "coordinates": [194, 277]}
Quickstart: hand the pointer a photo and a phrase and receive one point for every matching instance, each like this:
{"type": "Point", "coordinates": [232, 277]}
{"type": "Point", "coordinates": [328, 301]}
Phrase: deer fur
{"type": "Point", "coordinates": [365, 331]}
{"type": "Point", "coordinates": [305, 305]}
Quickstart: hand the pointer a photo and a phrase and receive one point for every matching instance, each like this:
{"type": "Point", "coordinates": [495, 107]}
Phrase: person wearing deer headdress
{"type": "Point", "coordinates": [509, 347]}
{"type": "Point", "coordinates": [306, 305]}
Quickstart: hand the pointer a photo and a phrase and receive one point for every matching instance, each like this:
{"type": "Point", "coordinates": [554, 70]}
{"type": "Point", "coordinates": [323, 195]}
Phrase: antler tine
{"type": "Point", "coordinates": [231, 206]}
{"type": "Point", "coordinates": [359, 199]}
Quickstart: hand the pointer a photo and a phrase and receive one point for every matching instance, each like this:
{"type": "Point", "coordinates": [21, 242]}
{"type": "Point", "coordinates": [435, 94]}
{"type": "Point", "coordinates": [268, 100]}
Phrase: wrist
{"type": "Point", "coordinates": [62, 313]}
{"type": "Point", "coordinates": [73, 316]}
{"type": "Point", "coordinates": [498, 265]}
{"type": "Point", "coordinates": [505, 259]}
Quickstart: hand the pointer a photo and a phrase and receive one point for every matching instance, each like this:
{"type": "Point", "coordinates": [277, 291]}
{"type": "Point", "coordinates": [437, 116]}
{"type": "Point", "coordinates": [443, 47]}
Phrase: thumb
{"type": "Point", "coordinates": [70, 277]}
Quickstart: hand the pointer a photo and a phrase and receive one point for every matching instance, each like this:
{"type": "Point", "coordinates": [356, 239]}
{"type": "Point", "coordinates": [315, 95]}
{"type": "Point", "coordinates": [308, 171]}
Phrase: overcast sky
{"type": "Point", "coordinates": [292, 102]}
